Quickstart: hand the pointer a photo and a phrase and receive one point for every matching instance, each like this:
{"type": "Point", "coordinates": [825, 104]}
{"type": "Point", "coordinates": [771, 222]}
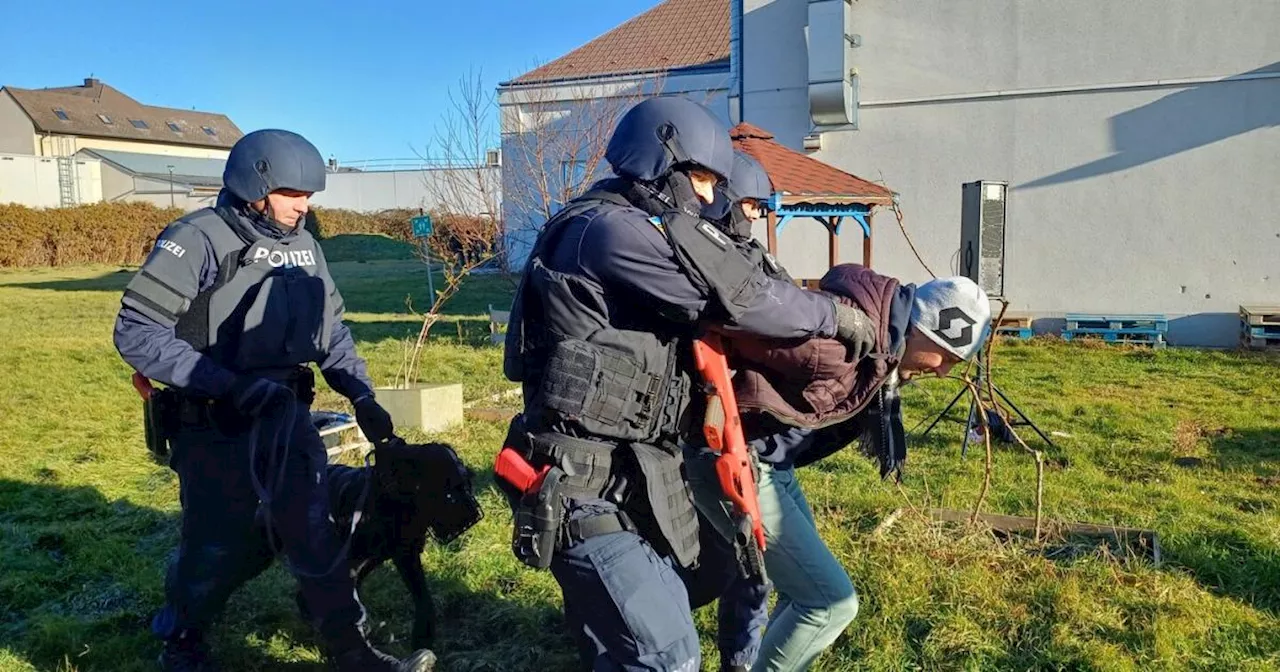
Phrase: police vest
{"type": "Point", "coordinates": [272, 305]}
{"type": "Point", "coordinates": [580, 370]}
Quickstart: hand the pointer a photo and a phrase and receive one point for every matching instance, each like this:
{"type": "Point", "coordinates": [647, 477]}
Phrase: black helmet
{"type": "Point", "coordinates": [661, 133]}
{"type": "Point", "coordinates": [748, 179]}
{"type": "Point", "coordinates": [264, 161]}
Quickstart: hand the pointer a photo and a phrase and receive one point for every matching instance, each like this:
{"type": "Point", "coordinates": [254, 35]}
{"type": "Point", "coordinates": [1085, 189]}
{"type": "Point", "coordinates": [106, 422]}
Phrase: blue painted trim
{"type": "Point", "coordinates": [857, 211]}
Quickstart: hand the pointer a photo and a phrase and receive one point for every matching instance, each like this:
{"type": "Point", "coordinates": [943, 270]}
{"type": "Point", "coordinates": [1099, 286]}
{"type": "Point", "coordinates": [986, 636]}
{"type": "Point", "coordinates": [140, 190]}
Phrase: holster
{"type": "Point", "coordinates": [537, 519]}
{"type": "Point", "coordinates": [159, 411]}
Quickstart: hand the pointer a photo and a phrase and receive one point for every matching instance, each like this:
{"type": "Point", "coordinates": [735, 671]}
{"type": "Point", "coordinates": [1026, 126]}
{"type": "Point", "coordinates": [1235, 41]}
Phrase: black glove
{"type": "Point", "coordinates": [374, 421]}
{"type": "Point", "coordinates": [855, 329]}
{"type": "Point", "coordinates": [253, 396]}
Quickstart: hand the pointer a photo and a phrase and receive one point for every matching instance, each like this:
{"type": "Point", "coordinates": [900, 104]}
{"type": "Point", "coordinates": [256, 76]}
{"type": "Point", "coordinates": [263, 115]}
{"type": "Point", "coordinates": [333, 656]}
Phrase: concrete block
{"type": "Point", "coordinates": [432, 408]}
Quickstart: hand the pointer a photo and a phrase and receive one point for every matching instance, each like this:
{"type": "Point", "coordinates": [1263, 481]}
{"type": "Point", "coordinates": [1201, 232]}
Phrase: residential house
{"type": "Point", "coordinates": [137, 146]}
{"type": "Point", "coordinates": [1138, 139]}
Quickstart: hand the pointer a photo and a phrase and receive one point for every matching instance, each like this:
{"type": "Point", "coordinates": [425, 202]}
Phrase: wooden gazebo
{"type": "Point", "coordinates": [806, 187]}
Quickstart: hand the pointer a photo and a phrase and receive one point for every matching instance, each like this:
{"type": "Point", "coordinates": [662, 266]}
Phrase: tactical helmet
{"type": "Point", "coordinates": [264, 161]}
{"type": "Point", "coordinates": [748, 180]}
{"type": "Point", "coordinates": [661, 133]}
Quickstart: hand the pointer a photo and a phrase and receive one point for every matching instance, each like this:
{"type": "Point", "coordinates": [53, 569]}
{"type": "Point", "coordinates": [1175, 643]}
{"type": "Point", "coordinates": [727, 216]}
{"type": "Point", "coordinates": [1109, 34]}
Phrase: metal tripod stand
{"type": "Point", "coordinates": [980, 381]}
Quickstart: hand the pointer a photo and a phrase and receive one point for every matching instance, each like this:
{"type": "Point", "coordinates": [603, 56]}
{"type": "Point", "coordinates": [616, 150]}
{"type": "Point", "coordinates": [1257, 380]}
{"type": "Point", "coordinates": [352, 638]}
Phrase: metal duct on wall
{"type": "Point", "coordinates": [832, 82]}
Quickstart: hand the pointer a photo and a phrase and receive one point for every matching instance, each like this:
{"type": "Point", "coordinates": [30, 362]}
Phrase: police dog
{"type": "Point", "coordinates": [410, 492]}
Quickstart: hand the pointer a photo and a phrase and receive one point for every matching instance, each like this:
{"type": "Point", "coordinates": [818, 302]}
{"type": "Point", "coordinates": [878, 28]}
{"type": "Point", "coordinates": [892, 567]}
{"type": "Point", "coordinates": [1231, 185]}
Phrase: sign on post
{"type": "Point", "coordinates": [422, 229]}
{"type": "Point", "coordinates": [421, 226]}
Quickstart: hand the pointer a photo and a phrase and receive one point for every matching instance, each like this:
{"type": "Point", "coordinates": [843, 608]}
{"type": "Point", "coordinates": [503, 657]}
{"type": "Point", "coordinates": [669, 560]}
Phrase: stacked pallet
{"type": "Point", "coordinates": [1135, 329]}
{"type": "Point", "coordinates": [1015, 326]}
{"type": "Point", "coordinates": [1260, 327]}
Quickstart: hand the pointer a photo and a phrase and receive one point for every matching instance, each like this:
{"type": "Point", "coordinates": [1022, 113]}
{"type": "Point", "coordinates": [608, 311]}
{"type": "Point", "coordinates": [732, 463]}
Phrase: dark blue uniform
{"type": "Point", "coordinates": [221, 546]}
{"type": "Point", "coordinates": [628, 603]}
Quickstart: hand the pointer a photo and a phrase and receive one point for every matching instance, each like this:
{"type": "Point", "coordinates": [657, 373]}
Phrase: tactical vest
{"type": "Point", "coordinates": [271, 306]}
{"type": "Point", "coordinates": [582, 371]}
{"type": "Point", "coordinates": [624, 391]}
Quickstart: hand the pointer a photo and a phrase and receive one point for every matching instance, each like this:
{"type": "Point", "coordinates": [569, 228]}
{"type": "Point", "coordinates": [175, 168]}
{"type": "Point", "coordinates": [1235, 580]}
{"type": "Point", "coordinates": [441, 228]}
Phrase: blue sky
{"type": "Point", "coordinates": [360, 83]}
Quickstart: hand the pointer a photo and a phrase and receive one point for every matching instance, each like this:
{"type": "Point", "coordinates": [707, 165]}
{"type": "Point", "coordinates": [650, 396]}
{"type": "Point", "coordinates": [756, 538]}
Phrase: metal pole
{"type": "Point", "coordinates": [171, 186]}
{"type": "Point", "coordinates": [431, 283]}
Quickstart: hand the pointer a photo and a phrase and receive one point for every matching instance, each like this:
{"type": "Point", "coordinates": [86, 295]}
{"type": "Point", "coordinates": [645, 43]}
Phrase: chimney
{"type": "Point", "coordinates": [90, 83]}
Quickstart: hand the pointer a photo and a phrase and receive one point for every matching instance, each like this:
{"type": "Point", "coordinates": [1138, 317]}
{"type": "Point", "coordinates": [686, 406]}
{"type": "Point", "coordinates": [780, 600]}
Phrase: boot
{"type": "Point", "coordinates": [365, 658]}
{"type": "Point", "coordinates": [187, 653]}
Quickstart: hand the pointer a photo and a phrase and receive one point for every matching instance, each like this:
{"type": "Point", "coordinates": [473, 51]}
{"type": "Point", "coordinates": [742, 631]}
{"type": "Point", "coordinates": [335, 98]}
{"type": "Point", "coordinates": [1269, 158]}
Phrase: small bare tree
{"type": "Point", "coordinates": [554, 142]}
{"type": "Point", "coordinates": [465, 192]}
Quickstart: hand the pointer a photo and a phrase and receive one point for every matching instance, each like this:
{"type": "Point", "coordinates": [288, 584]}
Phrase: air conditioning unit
{"type": "Point", "coordinates": [982, 234]}
{"type": "Point", "coordinates": [493, 158]}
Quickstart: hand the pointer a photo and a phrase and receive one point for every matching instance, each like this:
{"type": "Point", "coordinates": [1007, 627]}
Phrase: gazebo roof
{"type": "Point", "coordinates": [800, 178]}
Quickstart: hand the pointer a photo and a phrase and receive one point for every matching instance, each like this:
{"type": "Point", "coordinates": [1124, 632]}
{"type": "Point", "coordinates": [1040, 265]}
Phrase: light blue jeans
{"type": "Point", "coordinates": [816, 599]}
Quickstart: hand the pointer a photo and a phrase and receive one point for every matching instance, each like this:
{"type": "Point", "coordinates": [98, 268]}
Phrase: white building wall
{"type": "Point", "coordinates": [33, 180]}
{"type": "Point", "coordinates": [466, 189]}
{"type": "Point", "coordinates": [1140, 180]}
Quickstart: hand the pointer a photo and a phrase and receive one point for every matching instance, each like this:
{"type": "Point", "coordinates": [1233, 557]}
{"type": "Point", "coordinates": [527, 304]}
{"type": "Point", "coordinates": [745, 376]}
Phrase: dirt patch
{"type": "Point", "coordinates": [1189, 435]}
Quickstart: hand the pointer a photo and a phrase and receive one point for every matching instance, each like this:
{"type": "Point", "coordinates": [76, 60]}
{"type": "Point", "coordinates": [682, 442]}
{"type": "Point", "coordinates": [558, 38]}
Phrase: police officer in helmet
{"type": "Point", "coordinates": [601, 328]}
{"type": "Point", "coordinates": [743, 609]}
{"type": "Point", "coordinates": [228, 311]}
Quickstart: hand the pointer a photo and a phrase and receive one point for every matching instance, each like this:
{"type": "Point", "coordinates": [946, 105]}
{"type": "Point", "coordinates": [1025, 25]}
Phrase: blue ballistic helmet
{"type": "Point", "coordinates": [264, 161]}
{"type": "Point", "coordinates": [661, 133]}
{"type": "Point", "coordinates": [748, 180]}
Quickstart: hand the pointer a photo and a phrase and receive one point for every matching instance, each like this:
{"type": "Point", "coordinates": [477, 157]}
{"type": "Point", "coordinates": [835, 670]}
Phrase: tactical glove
{"type": "Point", "coordinates": [253, 396]}
{"type": "Point", "coordinates": [374, 421]}
{"type": "Point", "coordinates": [855, 329]}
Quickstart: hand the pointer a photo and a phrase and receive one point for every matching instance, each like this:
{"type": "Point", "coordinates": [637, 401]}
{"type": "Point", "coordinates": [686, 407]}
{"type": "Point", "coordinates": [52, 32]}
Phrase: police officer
{"type": "Point", "coordinates": [600, 337]}
{"type": "Point", "coordinates": [743, 609]}
{"type": "Point", "coordinates": [228, 310]}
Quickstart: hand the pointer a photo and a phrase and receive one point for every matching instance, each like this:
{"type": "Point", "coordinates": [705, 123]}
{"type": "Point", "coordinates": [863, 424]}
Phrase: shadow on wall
{"type": "Point", "coordinates": [1197, 330]}
{"type": "Point", "coordinates": [1179, 122]}
{"type": "Point", "coordinates": [1205, 329]}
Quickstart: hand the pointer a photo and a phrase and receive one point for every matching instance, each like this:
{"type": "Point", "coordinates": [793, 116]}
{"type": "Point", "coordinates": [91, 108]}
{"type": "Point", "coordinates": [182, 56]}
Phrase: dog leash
{"type": "Point", "coordinates": [281, 440]}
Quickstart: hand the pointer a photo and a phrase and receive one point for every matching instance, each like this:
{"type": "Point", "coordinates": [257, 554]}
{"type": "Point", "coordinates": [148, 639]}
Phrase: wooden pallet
{"type": "Point", "coordinates": [1155, 340]}
{"type": "Point", "coordinates": [1259, 342]}
{"type": "Point", "coordinates": [1086, 323]}
{"type": "Point", "coordinates": [1132, 329]}
{"type": "Point", "coordinates": [1260, 330]}
{"type": "Point", "coordinates": [1015, 326]}
{"type": "Point", "coordinates": [1022, 333]}
{"type": "Point", "coordinates": [808, 283]}
{"type": "Point", "coordinates": [1256, 315]}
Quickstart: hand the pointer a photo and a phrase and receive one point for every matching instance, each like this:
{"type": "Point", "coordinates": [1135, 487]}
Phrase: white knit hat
{"type": "Point", "coordinates": [954, 313]}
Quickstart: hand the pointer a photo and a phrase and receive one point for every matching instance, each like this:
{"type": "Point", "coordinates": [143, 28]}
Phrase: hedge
{"type": "Point", "coordinates": [123, 233]}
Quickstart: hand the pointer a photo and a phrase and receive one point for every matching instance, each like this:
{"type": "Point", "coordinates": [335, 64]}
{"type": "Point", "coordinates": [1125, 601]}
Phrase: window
{"type": "Point", "coordinates": [138, 123]}
{"type": "Point", "coordinates": [208, 130]}
{"type": "Point", "coordinates": [61, 114]}
{"type": "Point", "coordinates": [573, 175]}
{"type": "Point", "coordinates": [574, 180]}
{"type": "Point", "coordinates": [105, 119]}
{"type": "Point", "coordinates": [173, 127]}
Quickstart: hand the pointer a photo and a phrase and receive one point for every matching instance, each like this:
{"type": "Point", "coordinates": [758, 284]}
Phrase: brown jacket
{"type": "Point", "coordinates": [812, 383]}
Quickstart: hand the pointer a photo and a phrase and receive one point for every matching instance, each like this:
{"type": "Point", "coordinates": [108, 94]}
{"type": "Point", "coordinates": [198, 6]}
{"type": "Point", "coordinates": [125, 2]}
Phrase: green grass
{"type": "Point", "coordinates": [86, 520]}
{"type": "Point", "coordinates": [366, 247]}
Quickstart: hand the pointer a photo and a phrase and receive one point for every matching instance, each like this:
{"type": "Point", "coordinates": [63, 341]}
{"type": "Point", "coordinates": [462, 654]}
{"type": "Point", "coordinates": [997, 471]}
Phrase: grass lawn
{"type": "Point", "coordinates": [87, 521]}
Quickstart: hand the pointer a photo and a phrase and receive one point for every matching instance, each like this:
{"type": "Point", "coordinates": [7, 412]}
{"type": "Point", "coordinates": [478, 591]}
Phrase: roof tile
{"type": "Point", "coordinates": [675, 34]}
{"type": "Point", "coordinates": [794, 173]}
{"type": "Point", "coordinates": [83, 104]}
